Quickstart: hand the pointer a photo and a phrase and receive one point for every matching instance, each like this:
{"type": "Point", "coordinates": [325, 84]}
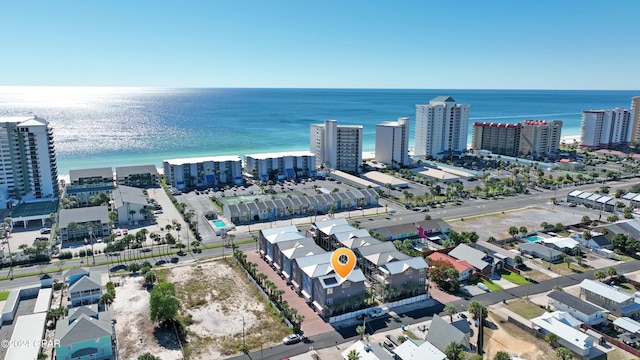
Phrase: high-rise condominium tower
{"type": "Point", "coordinates": [28, 169]}
{"type": "Point", "coordinates": [441, 128]}
{"type": "Point", "coordinates": [337, 147]}
{"type": "Point", "coordinates": [606, 129]}
{"type": "Point", "coordinates": [392, 142]}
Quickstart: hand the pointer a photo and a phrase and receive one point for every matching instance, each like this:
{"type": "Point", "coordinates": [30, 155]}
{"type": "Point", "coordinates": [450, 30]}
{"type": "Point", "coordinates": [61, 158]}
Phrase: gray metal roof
{"type": "Point", "coordinates": [441, 334]}
{"type": "Point", "coordinates": [574, 302]}
{"type": "Point", "coordinates": [82, 215]}
{"type": "Point", "coordinates": [471, 255]}
{"type": "Point", "coordinates": [104, 172]}
{"type": "Point", "coordinates": [93, 281]}
{"type": "Point", "coordinates": [82, 329]}
{"type": "Point", "coordinates": [126, 171]}
{"type": "Point", "coordinates": [128, 194]}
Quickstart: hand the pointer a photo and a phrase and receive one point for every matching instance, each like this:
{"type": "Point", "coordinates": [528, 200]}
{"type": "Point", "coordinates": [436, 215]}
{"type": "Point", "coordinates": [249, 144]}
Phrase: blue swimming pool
{"type": "Point", "coordinates": [218, 224]}
{"type": "Point", "coordinates": [532, 238]}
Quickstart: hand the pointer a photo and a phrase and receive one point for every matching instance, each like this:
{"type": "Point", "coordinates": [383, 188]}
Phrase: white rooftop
{"type": "Point", "coordinates": [557, 323]}
{"type": "Point", "coordinates": [561, 242]}
{"type": "Point", "coordinates": [28, 329]}
{"type": "Point", "coordinates": [197, 160]}
{"type": "Point", "coordinates": [627, 324]}
{"type": "Point", "coordinates": [384, 178]}
{"type": "Point", "coordinates": [409, 350]}
{"type": "Point", "coordinates": [279, 154]}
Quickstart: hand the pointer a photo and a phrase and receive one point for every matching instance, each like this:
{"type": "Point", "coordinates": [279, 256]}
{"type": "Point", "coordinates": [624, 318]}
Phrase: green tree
{"type": "Point", "coordinates": [454, 351]}
{"type": "Point", "coordinates": [134, 267]}
{"type": "Point", "coordinates": [150, 278]}
{"type": "Point", "coordinates": [600, 275]}
{"type": "Point", "coordinates": [501, 355]}
{"type": "Point", "coordinates": [163, 302]}
{"type": "Point", "coordinates": [568, 260]}
{"type": "Point", "coordinates": [564, 353]}
{"type": "Point", "coordinates": [478, 311]}
{"type": "Point", "coordinates": [612, 272]}
{"type": "Point", "coordinates": [148, 356]}
{"type": "Point", "coordinates": [513, 231]}
{"type": "Point", "coordinates": [107, 299]}
{"type": "Point", "coordinates": [518, 260]}
{"type": "Point", "coordinates": [523, 230]}
{"type": "Point", "coordinates": [450, 310]}
{"type": "Point", "coordinates": [360, 330]}
{"type": "Point", "coordinates": [551, 338]}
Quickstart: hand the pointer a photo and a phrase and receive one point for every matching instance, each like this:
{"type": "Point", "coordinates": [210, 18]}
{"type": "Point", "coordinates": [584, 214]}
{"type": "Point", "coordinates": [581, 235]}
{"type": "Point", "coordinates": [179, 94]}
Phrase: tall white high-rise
{"type": "Point", "coordinates": [441, 128]}
{"type": "Point", "coordinates": [338, 147]}
{"type": "Point", "coordinates": [28, 168]}
{"type": "Point", "coordinates": [392, 142]}
{"type": "Point", "coordinates": [606, 129]}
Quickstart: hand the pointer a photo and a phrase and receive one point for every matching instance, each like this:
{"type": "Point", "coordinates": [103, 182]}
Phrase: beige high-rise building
{"type": "Point", "coordinates": [392, 142]}
{"type": "Point", "coordinates": [337, 147]}
{"type": "Point", "coordinates": [502, 139]}
{"type": "Point", "coordinates": [441, 128]}
{"type": "Point", "coordinates": [606, 129]}
{"type": "Point", "coordinates": [635, 107]}
{"type": "Point", "coordinates": [540, 137]}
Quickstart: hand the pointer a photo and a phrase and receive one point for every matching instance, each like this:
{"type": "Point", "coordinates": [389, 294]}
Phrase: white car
{"type": "Point", "coordinates": [292, 339]}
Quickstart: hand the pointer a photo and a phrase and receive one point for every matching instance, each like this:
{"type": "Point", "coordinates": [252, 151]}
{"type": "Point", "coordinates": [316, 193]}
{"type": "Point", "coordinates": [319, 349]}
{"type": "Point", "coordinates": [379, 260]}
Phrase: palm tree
{"type": "Point", "coordinates": [478, 311]}
{"type": "Point", "coordinates": [600, 275]}
{"type": "Point", "coordinates": [501, 355]}
{"type": "Point", "coordinates": [454, 351]}
{"type": "Point", "coordinates": [450, 310]}
{"type": "Point", "coordinates": [551, 338]}
{"type": "Point", "coordinates": [106, 299]}
{"type": "Point", "coordinates": [568, 260]}
{"type": "Point", "coordinates": [353, 355]}
{"type": "Point", "coordinates": [611, 271]}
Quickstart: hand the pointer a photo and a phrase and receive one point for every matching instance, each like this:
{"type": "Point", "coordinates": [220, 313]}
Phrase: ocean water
{"type": "Point", "coordinates": [95, 126]}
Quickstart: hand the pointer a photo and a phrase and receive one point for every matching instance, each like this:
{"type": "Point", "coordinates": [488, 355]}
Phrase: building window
{"type": "Point", "coordinates": [346, 285]}
{"type": "Point", "coordinates": [330, 301]}
{"type": "Point", "coordinates": [330, 291]}
{"type": "Point", "coordinates": [409, 271]}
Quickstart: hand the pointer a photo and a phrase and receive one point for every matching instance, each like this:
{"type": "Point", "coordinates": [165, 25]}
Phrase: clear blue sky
{"type": "Point", "coordinates": [474, 44]}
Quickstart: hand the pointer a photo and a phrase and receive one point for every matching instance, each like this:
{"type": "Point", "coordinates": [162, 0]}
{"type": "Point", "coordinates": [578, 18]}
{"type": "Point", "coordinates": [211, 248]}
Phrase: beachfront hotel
{"type": "Point", "coordinates": [202, 171]}
{"type": "Point", "coordinates": [392, 142]}
{"type": "Point", "coordinates": [441, 128]}
{"type": "Point", "coordinates": [502, 139]}
{"type": "Point", "coordinates": [606, 129]}
{"type": "Point", "coordinates": [540, 137]}
{"type": "Point", "coordinates": [337, 147]}
{"type": "Point", "coordinates": [28, 169]}
{"type": "Point", "coordinates": [285, 165]}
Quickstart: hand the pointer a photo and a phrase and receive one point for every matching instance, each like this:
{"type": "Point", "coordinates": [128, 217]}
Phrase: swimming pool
{"type": "Point", "coordinates": [532, 238]}
{"type": "Point", "coordinates": [218, 223]}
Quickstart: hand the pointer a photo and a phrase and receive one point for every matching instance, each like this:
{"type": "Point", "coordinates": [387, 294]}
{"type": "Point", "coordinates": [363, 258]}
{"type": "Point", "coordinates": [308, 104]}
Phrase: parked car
{"type": "Point", "coordinates": [292, 339]}
{"type": "Point", "coordinates": [45, 231]}
{"type": "Point", "coordinates": [125, 232]}
{"type": "Point", "coordinates": [378, 311]}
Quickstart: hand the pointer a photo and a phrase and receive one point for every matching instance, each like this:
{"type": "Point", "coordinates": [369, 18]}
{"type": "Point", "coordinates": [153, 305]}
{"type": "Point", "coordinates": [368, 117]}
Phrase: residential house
{"type": "Point", "coordinates": [81, 223]}
{"type": "Point", "coordinates": [131, 204]}
{"type": "Point", "coordinates": [367, 351]}
{"type": "Point", "coordinates": [431, 227]}
{"type": "Point", "coordinates": [597, 240]}
{"type": "Point", "coordinates": [287, 251]}
{"type": "Point", "coordinates": [482, 262]}
{"type": "Point", "coordinates": [611, 298]}
{"type": "Point", "coordinates": [324, 289]}
{"type": "Point", "coordinates": [86, 290]}
{"type": "Point", "coordinates": [540, 251]}
{"type": "Point", "coordinates": [418, 350]}
{"type": "Point", "coordinates": [85, 335]}
{"type": "Point", "coordinates": [369, 258]}
{"type": "Point", "coordinates": [46, 281]}
{"type": "Point", "coordinates": [86, 183]}
{"type": "Point", "coordinates": [268, 237]}
{"type": "Point", "coordinates": [442, 333]}
{"type": "Point", "coordinates": [566, 328]}
{"type": "Point", "coordinates": [504, 255]}
{"type": "Point", "coordinates": [397, 232]}
{"type": "Point", "coordinates": [406, 277]}
{"type": "Point", "coordinates": [465, 270]}
{"type": "Point", "coordinates": [588, 313]}
{"type": "Point", "coordinates": [140, 176]}
{"type": "Point", "coordinates": [564, 244]}
{"type": "Point", "coordinates": [74, 274]}
{"type": "Point", "coordinates": [628, 228]}
{"type": "Point", "coordinates": [626, 324]}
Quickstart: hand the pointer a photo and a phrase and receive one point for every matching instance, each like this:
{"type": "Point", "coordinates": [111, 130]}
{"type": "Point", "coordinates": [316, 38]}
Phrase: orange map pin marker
{"type": "Point", "coordinates": [343, 262]}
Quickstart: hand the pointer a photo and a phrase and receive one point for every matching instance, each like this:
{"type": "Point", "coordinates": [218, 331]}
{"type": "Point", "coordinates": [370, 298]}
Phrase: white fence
{"type": "Point", "coordinates": [390, 305]}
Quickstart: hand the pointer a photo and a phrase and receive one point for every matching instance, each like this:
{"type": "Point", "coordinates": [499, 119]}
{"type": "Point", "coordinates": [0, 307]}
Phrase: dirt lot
{"type": "Point", "coordinates": [531, 218]}
{"type": "Point", "coordinates": [217, 301]}
{"type": "Point", "coordinates": [508, 337]}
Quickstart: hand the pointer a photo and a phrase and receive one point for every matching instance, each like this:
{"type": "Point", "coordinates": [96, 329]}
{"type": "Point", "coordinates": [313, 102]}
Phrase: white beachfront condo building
{"type": "Point", "coordinates": [338, 147]}
{"type": "Point", "coordinates": [284, 165]}
{"type": "Point", "coordinates": [441, 128]}
{"type": "Point", "coordinates": [635, 107]}
{"type": "Point", "coordinates": [203, 171]}
{"type": "Point", "coordinates": [392, 142]}
{"type": "Point", "coordinates": [605, 129]}
{"type": "Point", "coordinates": [28, 169]}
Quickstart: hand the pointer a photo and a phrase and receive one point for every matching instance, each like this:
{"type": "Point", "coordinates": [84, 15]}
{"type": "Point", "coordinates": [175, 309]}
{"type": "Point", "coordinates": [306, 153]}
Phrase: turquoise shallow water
{"type": "Point", "coordinates": [96, 127]}
{"type": "Point", "coordinates": [219, 223]}
{"type": "Point", "coordinates": [532, 238]}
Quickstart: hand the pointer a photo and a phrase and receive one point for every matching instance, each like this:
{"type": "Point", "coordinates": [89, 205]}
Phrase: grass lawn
{"type": "Point", "coordinates": [525, 308]}
{"type": "Point", "coordinates": [562, 269]}
{"type": "Point", "coordinates": [616, 354]}
{"type": "Point", "coordinates": [621, 257]}
{"type": "Point", "coordinates": [4, 295]}
{"type": "Point", "coordinates": [514, 278]}
{"type": "Point", "coordinates": [492, 286]}
{"type": "Point", "coordinates": [628, 288]}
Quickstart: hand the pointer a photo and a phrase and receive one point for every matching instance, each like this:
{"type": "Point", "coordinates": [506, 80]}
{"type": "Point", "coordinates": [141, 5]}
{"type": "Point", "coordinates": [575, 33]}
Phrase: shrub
{"type": "Point", "coordinates": [65, 255]}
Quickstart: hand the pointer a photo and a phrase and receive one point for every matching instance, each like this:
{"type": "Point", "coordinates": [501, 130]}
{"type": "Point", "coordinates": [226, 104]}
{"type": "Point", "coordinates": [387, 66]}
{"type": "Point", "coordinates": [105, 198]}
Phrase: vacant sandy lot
{"type": "Point", "coordinates": [508, 337]}
{"type": "Point", "coordinates": [217, 303]}
{"type": "Point", "coordinates": [531, 218]}
{"type": "Point", "coordinates": [136, 333]}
